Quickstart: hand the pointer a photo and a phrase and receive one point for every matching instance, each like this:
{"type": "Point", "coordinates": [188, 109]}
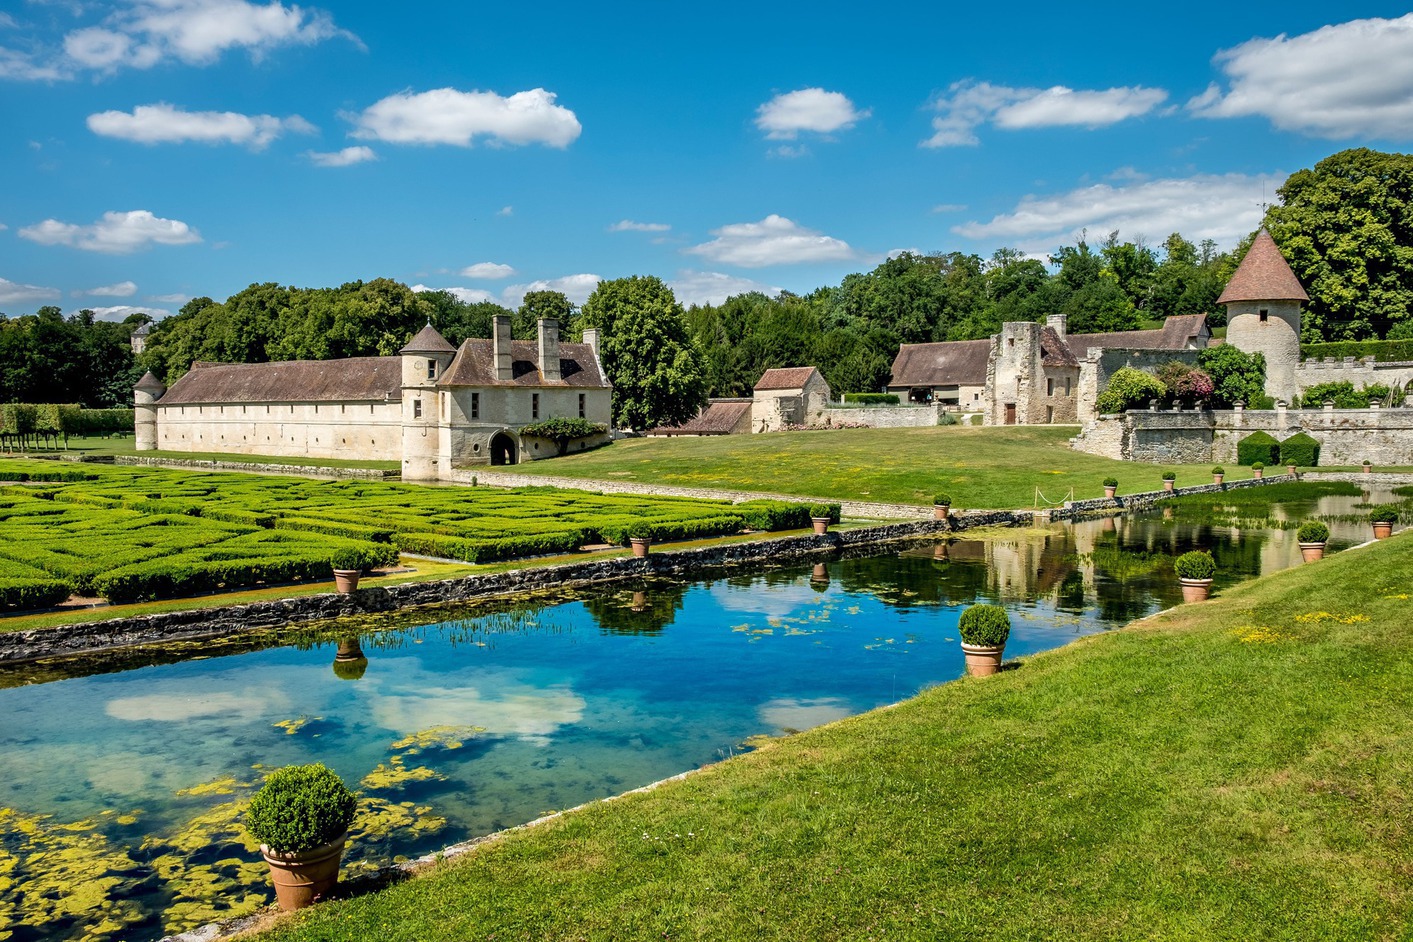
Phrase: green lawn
{"type": "Point", "coordinates": [1234, 770]}
{"type": "Point", "coordinates": [979, 467]}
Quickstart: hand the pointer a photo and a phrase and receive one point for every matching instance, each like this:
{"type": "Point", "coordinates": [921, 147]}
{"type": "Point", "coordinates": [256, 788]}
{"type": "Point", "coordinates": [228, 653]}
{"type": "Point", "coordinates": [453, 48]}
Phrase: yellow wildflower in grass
{"type": "Point", "coordinates": [1259, 634]}
{"type": "Point", "coordinates": [1310, 618]}
{"type": "Point", "coordinates": [1401, 597]}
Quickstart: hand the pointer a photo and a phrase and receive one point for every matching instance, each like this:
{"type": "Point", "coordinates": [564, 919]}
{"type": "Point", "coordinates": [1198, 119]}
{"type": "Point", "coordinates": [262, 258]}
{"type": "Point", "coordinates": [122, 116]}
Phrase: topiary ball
{"type": "Point", "coordinates": [985, 626]}
{"type": "Point", "coordinates": [300, 807]}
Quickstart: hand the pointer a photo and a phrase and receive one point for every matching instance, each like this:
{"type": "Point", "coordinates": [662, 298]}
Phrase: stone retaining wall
{"type": "Point", "coordinates": [235, 619]}
{"type": "Point", "coordinates": [256, 467]}
{"type": "Point", "coordinates": [1074, 509]}
{"type": "Point", "coordinates": [899, 416]}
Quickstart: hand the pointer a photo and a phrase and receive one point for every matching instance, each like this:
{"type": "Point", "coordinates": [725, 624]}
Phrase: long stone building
{"type": "Point", "coordinates": [433, 407]}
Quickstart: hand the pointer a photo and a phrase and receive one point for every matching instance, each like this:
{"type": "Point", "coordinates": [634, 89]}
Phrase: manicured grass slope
{"type": "Point", "coordinates": [978, 467]}
{"type": "Point", "coordinates": [1233, 770]}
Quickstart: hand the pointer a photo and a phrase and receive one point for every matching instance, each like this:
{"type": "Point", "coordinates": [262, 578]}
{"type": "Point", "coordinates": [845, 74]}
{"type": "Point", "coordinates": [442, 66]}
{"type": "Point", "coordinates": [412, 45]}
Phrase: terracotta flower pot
{"type": "Point", "coordinates": [1312, 551]}
{"type": "Point", "coordinates": [640, 546]}
{"type": "Point", "coordinates": [1256, 473]}
{"type": "Point", "coordinates": [346, 580]}
{"type": "Point", "coordinates": [1217, 478]}
{"type": "Point", "coordinates": [301, 879]}
{"type": "Point", "coordinates": [982, 661]}
{"type": "Point", "coordinates": [821, 525]}
{"type": "Point", "coordinates": [1382, 531]}
{"type": "Point", "coordinates": [1168, 485]}
{"type": "Point", "coordinates": [1109, 492]}
{"type": "Point", "coordinates": [1368, 469]}
{"type": "Point", "coordinates": [1196, 590]}
{"type": "Point", "coordinates": [1290, 470]}
{"type": "Point", "coordinates": [941, 511]}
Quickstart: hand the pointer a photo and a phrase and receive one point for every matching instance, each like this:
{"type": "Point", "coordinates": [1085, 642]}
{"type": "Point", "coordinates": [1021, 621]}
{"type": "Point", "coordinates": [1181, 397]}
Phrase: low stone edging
{"type": "Point", "coordinates": [255, 467]}
{"type": "Point", "coordinates": [193, 624]}
{"type": "Point", "coordinates": [1074, 509]}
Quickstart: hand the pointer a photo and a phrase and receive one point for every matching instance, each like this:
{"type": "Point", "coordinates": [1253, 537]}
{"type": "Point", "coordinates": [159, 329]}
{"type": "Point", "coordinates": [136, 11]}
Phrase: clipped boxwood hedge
{"type": "Point", "coordinates": [1300, 450]}
{"type": "Point", "coordinates": [1258, 446]}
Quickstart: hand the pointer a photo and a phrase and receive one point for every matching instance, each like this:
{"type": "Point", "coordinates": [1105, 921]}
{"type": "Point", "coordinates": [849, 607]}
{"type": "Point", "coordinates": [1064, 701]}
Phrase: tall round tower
{"type": "Point", "coordinates": [424, 360]}
{"type": "Point", "coordinates": [144, 403]}
{"type": "Point", "coordinates": [1263, 302]}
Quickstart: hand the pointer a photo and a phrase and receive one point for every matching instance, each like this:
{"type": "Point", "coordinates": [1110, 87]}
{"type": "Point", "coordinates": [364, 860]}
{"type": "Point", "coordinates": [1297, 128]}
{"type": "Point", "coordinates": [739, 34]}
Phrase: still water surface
{"type": "Point", "coordinates": [122, 788]}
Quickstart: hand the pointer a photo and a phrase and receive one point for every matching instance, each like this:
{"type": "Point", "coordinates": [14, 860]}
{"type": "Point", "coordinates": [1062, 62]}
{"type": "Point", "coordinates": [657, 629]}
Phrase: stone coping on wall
{"type": "Point", "coordinates": [194, 624]}
{"type": "Point", "coordinates": [1074, 509]}
{"type": "Point", "coordinates": [256, 467]}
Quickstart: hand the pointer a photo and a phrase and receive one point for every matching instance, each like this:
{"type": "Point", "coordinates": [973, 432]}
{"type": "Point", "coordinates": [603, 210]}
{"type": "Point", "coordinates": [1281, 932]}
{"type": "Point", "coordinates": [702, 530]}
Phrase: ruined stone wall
{"type": "Point", "coordinates": [1361, 373]}
{"type": "Point", "coordinates": [899, 416]}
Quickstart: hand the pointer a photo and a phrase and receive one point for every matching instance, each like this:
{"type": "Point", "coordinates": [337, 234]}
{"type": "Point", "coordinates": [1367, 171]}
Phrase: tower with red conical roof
{"type": "Point", "coordinates": [1263, 302]}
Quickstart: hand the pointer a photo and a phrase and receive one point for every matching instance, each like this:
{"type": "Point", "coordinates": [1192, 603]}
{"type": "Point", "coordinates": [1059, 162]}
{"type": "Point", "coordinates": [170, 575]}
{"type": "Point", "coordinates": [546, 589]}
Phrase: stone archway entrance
{"type": "Point", "coordinates": [502, 449]}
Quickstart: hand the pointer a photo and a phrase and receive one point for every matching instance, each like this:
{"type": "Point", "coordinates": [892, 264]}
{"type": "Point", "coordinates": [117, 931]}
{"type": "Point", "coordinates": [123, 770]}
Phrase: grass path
{"type": "Point", "coordinates": [1238, 769]}
{"type": "Point", "coordinates": [979, 467]}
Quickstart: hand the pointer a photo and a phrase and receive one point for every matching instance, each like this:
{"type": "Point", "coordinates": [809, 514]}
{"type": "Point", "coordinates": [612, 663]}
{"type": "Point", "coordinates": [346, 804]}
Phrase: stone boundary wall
{"type": "Point", "coordinates": [899, 416]}
{"type": "Point", "coordinates": [849, 508]}
{"type": "Point", "coordinates": [256, 467]}
{"type": "Point", "coordinates": [236, 619]}
{"type": "Point", "coordinates": [1075, 509]}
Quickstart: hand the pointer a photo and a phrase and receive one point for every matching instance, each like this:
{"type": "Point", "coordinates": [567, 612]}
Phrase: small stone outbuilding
{"type": "Point", "coordinates": [784, 397]}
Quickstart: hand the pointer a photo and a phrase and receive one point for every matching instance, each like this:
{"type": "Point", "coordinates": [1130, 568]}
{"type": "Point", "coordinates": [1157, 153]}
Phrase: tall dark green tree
{"type": "Point", "coordinates": [656, 370]}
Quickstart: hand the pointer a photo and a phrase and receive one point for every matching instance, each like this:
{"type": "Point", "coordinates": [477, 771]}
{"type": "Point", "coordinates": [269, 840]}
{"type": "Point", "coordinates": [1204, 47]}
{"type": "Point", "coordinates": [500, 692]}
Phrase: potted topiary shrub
{"type": "Point", "coordinates": [640, 537]}
{"type": "Point", "coordinates": [1312, 536]}
{"type": "Point", "coordinates": [821, 517]}
{"type": "Point", "coordinates": [1290, 468]}
{"type": "Point", "coordinates": [1195, 571]}
{"type": "Point", "coordinates": [1257, 469]}
{"type": "Point", "coordinates": [1383, 518]}
{"type": "Point", "coordinates": [348, 569]}
{"type": "Point", "coordinates": [941, 506]}
{"type": "Point", "coordinates": [301, 816]}
{"type": "Point", "coordinates": [1168, 478]}
{"type": "Point", "coordinates": [1217, 474]}
{"type": "Point", "coordinates": [1368, 468]}
{"type": "Point", "coordinates": [1110, 486]}
{"type": "Point", "coordinates": [984, 630]}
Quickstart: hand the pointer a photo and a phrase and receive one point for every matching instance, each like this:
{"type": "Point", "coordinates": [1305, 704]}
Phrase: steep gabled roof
{"type": "Point", "coordinates": [150, 383]}
{"type": "Point", "coordinates": [354, 379]}
{"type": "Point", "coordinates": [1263, 275]}
{"type": "Point", "coordinates": [1176, 333]}
{"type": "Point", "coordinates": [428, 341]}
{"type": "Point", "coordinates": [1053, 349]}
{"type": "Point", "coordinates": [791, 378]}
{"type": "Point", "coordinates": [953, 363]}
{"type": "Point", "coordinates": [475, 366]}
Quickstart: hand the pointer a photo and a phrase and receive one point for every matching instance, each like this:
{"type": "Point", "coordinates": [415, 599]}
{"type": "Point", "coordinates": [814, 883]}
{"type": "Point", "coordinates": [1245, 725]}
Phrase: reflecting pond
{"type": "Point", "coordinates": [125, 776]}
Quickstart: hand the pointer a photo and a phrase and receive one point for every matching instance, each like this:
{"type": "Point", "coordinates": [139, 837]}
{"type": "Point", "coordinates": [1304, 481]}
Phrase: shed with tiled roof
{"type": "Point", "coordinates": [791, 396]}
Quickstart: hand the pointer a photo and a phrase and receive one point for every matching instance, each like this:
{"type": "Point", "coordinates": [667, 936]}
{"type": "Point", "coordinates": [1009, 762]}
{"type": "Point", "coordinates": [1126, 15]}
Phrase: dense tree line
{"type": "Point", "coordinates": [46, 357]}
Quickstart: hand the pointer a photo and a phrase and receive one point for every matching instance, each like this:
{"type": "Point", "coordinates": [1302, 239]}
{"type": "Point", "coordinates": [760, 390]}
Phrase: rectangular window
{"type": "Point", "coordinates": [534, 405]}
{"type": "Point", "coordinates": [1263, 314]}
{"type": "Point", "coordinates": [583, 405]}
{"type": "Point", "coordinates": [431, 369]}
{"type": "Point", "coordinates": [444, 406]}
{"type": "Point", "coordinates": [475, 405]}
{"type": "Point", "coordinates": [1049, 387]}
{"type": "Point", "coordinates": [1067, 385]}
{"type": "Point", "coordinates": [417, 408]}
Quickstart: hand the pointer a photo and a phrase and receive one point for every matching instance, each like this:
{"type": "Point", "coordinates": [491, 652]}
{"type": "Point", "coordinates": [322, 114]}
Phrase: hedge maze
{"type": "Point", "coordinates": [133, 535]}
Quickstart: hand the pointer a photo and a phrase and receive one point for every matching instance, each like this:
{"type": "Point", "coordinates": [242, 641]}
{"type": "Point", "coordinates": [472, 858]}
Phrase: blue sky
{"type": "Point", "coordinates": [156, 150]}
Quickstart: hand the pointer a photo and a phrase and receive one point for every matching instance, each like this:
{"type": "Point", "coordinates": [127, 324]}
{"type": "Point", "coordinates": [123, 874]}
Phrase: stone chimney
{"type": "Point", "coordinates": [1059, 323]}
{"type": "Point", "coordinates": [500, 348]}
{"type": "Point", "coordinates": [591, 337]}
{"type": "Point", "coordinates": [549, 349]}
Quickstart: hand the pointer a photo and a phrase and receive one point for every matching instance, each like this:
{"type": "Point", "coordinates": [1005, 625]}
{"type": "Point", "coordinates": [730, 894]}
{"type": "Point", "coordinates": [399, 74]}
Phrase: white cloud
{"type": "Point", "coordinates": [1223, 208]}
{"type": "Point", "coordinates": [116, 233]}
{"type": "Point", "coordinates": [506, 211]}
{"type": "Point", "coordinates": [789, 151]}
{"type": "Point", "coordinates": [167, 124]}
{"type": "Point", "coordinates": [464, 295]}
{"type": "Point", "coordinates": [123, 289]}
{"type": "Point", "coordinates": [487, 271]}
{"type": "Point", "coordinates": [449, 116]}
{"type": "Point", "coordinates": [970, 104]}
{"type": "Point", "coordinates": [177, 298]}
{"type": "Point", "coordinates": [342, 158]}
{"type": "Point", "coordinates": [576, 288]}
{"type": "Point", "coordinates": [26, 66]}
{"type": "Point", "coordinates": [12, 292]}
{"type": "Point", "coordinates": [949, 208]}
{"type": "Point", "coordinates": [774, 240]}
{"type": "Point", "coordinates": [1349, 80]}
{"type": "Point", "coordinates": [121, 312]}
{"type": "Point", "coordinates": [196, 32]}
{"type": "Point", "coordinates": [808, 109]}
{"type": "Point", "coordinates": [628, 225]}
{"type": "Point", "coordinates": [7, 21]}
{"type": "Point", "coordinates": [713, 287]}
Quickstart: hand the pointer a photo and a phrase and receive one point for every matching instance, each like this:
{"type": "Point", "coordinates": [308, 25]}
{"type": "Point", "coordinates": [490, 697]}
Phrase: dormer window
{"type": "Point", "coordinates": [431, 369]}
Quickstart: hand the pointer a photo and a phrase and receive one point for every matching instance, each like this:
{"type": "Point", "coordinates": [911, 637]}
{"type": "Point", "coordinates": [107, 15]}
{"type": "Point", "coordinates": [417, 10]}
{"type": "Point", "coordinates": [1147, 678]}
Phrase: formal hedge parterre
{"type": "Point", "coordinates": [133, 534]}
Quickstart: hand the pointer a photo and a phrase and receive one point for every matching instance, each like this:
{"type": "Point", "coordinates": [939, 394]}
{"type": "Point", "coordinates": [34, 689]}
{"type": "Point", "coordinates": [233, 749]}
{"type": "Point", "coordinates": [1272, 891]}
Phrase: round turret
{"type": "Point", "coordinates": [1263, 302]}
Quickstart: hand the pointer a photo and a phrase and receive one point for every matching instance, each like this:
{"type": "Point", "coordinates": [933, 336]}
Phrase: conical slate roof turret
{"type": "Point", "coordinates": [1263, 275]}
{"type": "Point", "coordinates": [428, 341]}
{"type": "Point", "coordinates": [150, 383]}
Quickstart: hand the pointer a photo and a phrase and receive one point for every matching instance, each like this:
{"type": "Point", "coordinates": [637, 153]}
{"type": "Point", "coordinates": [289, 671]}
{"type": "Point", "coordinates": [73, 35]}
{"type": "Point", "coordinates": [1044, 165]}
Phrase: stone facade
{"type": "Point", "coordinates": [433, 407]}
{"type": "Point", "coordinates": [789, 397]}
{"type": "Point", "coordinates": [1360, 373]}
{"type": "Point", "coordinates": [1032, 377]}
{"type": "Point", "coordinates": [899, 416]}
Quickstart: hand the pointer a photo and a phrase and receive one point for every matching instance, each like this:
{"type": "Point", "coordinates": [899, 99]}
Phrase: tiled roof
{"type": "Point", "coordinates": [1053, 349]}
{"type": "Point", "coordinates": [428, 341]}
{"type": "Point", "coordinates": [149, 383]}
{"type": "Point", "coordinates": [353, 379]}
{"type": "Point", "coordinates": [720, 417]}
{"type": "Point", "coordinates": [475, 366]}
{"type": "Point", "coordinates": [1175, 334]}
{"type": "Point", "coordinates": [1263, 275]}
{"type": "Point", "coordinates": [792, 378]}
{"type": "Point", "coordinates": [953, 363]}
